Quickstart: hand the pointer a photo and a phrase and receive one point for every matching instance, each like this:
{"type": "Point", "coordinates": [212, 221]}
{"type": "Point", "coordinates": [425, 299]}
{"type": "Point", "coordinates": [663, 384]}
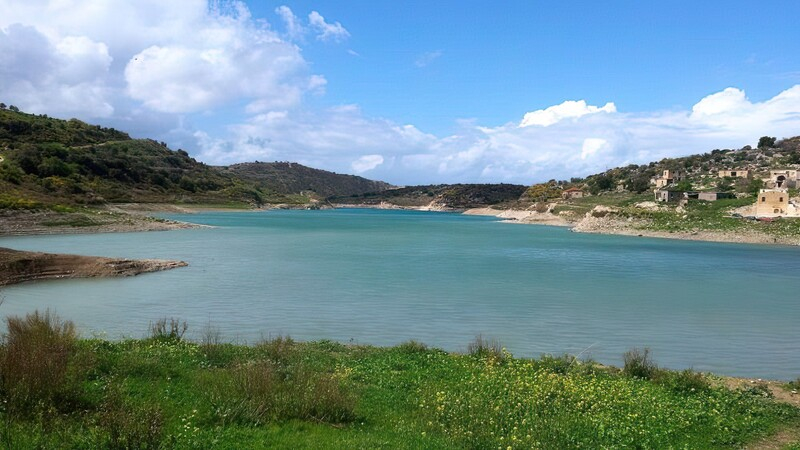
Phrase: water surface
{"type": "Point", "coordinates": [383, 277]}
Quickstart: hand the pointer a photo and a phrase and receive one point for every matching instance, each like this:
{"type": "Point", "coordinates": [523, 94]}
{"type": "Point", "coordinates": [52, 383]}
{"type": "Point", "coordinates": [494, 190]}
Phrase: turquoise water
{"type": "Point", "coordinates": [384, 277]}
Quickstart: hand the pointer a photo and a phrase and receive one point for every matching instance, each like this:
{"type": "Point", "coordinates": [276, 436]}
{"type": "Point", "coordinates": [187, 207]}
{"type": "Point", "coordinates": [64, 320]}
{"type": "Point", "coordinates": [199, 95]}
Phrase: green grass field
{"type": "Point", "coordinates": [59, 391]}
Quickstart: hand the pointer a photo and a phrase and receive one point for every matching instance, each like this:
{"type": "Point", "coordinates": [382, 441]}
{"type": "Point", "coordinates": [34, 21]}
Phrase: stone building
{"type": "Point", "coordinates": [772, 203]}
{"type": "Point", "coordinates": [734, 173]}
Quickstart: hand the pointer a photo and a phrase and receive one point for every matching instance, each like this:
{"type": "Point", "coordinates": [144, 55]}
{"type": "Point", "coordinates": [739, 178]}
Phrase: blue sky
{"type": "Point", "coordinates": [414, 92]}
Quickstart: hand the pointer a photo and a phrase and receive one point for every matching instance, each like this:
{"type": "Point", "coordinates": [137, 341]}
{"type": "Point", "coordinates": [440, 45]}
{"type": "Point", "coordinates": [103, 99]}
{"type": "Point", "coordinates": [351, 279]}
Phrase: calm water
{"type": "Point", "coordinates": [383, 277]}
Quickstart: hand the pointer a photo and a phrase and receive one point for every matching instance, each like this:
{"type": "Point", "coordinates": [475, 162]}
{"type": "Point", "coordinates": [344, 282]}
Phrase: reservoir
{"type": "Point", "coordinates": [382, 277]}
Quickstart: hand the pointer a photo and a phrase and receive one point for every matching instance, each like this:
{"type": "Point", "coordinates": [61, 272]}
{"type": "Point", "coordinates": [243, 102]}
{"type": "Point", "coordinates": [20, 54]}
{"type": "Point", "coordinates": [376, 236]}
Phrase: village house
{"type": "Point", "coordinates": [714, 196]}
{"type": "Point", "coordinates": [664, 195]}
{"type": "Point", "coordinates": [572, 193]}
{"type": "Point", "coordinates": [782, 179]}
{"type": "Point", "coordinates": [772, 203]}
{"type": "Point", "coordinates": [734, 173]}
{"type": "Point", "coordinates": [668, 177]}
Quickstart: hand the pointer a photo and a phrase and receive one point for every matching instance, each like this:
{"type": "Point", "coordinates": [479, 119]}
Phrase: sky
{"type": "Point", "coordinates": [414, 92]}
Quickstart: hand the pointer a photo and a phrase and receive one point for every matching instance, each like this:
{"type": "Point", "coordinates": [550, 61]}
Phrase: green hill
{"type": "Point", "coordinates": [288, 177]}
{"type": "Point", "coordinates": [46, 161]}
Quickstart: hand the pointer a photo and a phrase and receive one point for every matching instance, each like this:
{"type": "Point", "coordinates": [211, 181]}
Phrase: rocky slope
{"type": "Point", "coordinates": [18, 266]}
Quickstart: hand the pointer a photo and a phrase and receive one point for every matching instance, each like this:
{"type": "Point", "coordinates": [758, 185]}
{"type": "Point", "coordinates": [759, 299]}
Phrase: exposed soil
{"type": "Point", "coordinates": [19, 266]}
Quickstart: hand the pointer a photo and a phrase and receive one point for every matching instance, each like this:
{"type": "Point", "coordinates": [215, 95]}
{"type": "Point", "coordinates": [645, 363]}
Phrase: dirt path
{"type": "Point", "coordinates": [788, 435]}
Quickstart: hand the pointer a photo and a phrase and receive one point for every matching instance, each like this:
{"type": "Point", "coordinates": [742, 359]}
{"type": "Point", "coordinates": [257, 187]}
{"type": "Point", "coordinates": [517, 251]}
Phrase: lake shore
{"type": "Point", "coordinates": [21, 266]}
{"type": "Point", "coordinates": [611, 225]}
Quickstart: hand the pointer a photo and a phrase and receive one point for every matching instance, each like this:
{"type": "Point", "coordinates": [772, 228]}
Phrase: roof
{"type": "Point", "coordinates": [573, 189]}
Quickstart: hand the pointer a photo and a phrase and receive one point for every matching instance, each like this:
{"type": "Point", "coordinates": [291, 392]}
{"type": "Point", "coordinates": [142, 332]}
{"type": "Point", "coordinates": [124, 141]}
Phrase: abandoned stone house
{"type": "Point", "coordinates": [668, 177]}
{"type": "Point", "coordinates": [664, 195]}
{"type": "Point", "coordinates": [572, 193]}
{"type": "Point", "coordinates": [734, 173]}
{"type": "Point", "coordinates": [714, 196]}
{"type": "Point", "coordinates": [772, 203]}
{"type": "Point", "coordinates": [782, 179]}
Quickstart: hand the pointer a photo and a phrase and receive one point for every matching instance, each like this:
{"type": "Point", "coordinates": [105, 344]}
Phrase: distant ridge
{"type": "Point", "coordinates": [294, 178]}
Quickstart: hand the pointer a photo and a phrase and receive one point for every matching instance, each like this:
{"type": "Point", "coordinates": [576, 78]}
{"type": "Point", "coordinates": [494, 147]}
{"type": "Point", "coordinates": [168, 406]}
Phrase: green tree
{"type": "Point", "coordinates": [725, 185]}
{"type": "Point", "coordinates": [683, 186]}
{"type": "Point", "coordinates": [755, 185]}
{"type": "Point", "coordinates": [766, 142]}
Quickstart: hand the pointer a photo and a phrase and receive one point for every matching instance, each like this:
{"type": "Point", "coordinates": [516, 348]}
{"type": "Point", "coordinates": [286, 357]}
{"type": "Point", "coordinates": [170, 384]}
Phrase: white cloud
{"type": "Point", "coordinates": [327, 31]}
{"type": "Point", "coordinates": [567, 110]}
{"type": "Point", "coordinates": [591, 146]}
{"type": "Point", "coordinates": [575, 145]}
{"type": "Point", "coordinates": [179, 57]}
{"type": "Point", "coordinates": [366, 162]}
{"type": "Point", "coordinates": [426, 58]}
{"type": "Point", "coordinates": [65, 77]}
{"type": "Point", "coordinates": [294, 28]}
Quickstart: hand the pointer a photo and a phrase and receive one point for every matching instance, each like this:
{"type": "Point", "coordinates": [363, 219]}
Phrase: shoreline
{"type": "Point", "coordinates": [134, 217]}
{"type": "Point", "coordinates": [18, 266]}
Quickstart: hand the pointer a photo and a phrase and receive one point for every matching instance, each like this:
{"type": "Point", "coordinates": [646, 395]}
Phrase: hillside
{"type": "Point", "coordinates": [442, 196]}
{"type": "Point", "coordinates": [293, 178]}
{"type": "Point", "coordinates": [46, 161]}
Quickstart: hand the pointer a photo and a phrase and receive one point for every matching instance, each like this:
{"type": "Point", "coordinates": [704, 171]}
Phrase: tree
{"type": "Point", "coordinates": [725, 185]}
{"type": "Point", "coordinates": [13, 108]}
{"type": "Point", "coordinates": [2, 106]}
{"type": "Point", "coordinates": [755, 185]}
{"type": "Point", "coordinates": [683, 186]}
{"type": "Point", "coordinates": [766, 142]}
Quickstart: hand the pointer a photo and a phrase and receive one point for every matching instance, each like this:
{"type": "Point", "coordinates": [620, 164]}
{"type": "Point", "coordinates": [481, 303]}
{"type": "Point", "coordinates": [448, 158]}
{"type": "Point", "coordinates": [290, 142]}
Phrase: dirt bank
{"type": "Point", "coordinates": [19, 267]}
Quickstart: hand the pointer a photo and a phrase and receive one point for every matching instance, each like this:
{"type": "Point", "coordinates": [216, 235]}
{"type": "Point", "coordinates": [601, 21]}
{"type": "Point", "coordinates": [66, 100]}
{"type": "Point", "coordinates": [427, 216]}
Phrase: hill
{"type": "Point", "coordinates": [442, 196]}
{"type": "Point", "coordinates": [46, 161]}
{"type": "Point", "coordinates": [293, 178]}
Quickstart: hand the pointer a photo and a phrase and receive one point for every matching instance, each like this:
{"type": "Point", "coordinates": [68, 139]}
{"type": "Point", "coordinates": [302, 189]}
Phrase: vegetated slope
{"type": "Point", "coordinates": [46, 161]}
{"type": "Point", "coordinates": [701, 170]}
{"type": "Point", "coordinates": [456, 196]}
{"type": "Point", "coordinates": [293, 178]}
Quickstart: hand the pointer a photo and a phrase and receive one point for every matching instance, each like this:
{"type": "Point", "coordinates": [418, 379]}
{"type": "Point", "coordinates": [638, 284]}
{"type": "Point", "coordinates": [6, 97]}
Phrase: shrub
{"type": "Point", "coordinates": [168, 329]}
{"type": "Point", "coordinates": [486, 348]}
{"type": "Point", "coordinates": [267, 392]}
{"type": "Point", "coordinates": [412, 346]}
{"type": "Point", "coordinates": [212, 346]}
{"type": "Point", "coordinates": [638, 363]}
{"type": "Point", "coordinates": [683, 382]}
{"type": "Point", "coordinates": [34, 362]}
{"type": "Point", "coordinates": [130, 426]}
{"type": "Point", "coordinates": [758, 389]}
{"type": "Point", "coordinates": [278, 349]}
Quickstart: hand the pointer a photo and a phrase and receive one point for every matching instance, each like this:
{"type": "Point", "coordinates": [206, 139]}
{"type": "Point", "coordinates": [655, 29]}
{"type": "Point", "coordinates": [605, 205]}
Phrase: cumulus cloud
{"type": "Point", "coordinates": [568, 110]}
{"type": "Point", "coordinates": [327, 31]}
{"type": "Point", "coordinates": [63, 77]}
{"type": "Point", "coordinates": [343, 139]}
{"type": "Point", "coordinates": [178, 57]}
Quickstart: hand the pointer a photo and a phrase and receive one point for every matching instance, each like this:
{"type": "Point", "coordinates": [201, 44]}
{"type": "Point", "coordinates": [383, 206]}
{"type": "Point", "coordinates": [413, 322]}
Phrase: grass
{"type": "Point", "coordinates": [167, 392]}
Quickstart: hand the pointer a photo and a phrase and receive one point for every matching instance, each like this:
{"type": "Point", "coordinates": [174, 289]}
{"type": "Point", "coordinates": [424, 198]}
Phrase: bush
{"type": "Point", "coordinates": [639, 364]}
{"type": "Point", "coordinates": [486, 348]}
{"type": "Point", "coordinates": [266, 392]}
{"type": "Point", "coordinates": [412, 347]}
{"type": "Point", "coordinates": [168, 329]}
{"type": "Point", "coordinates": [683, 382]}
{"type": "Point", "coordinates": [278, 349]}
{"type": "Point", "coordinates": [130, 426]}
{"type": "Point", "coordinates": [34, 362]}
